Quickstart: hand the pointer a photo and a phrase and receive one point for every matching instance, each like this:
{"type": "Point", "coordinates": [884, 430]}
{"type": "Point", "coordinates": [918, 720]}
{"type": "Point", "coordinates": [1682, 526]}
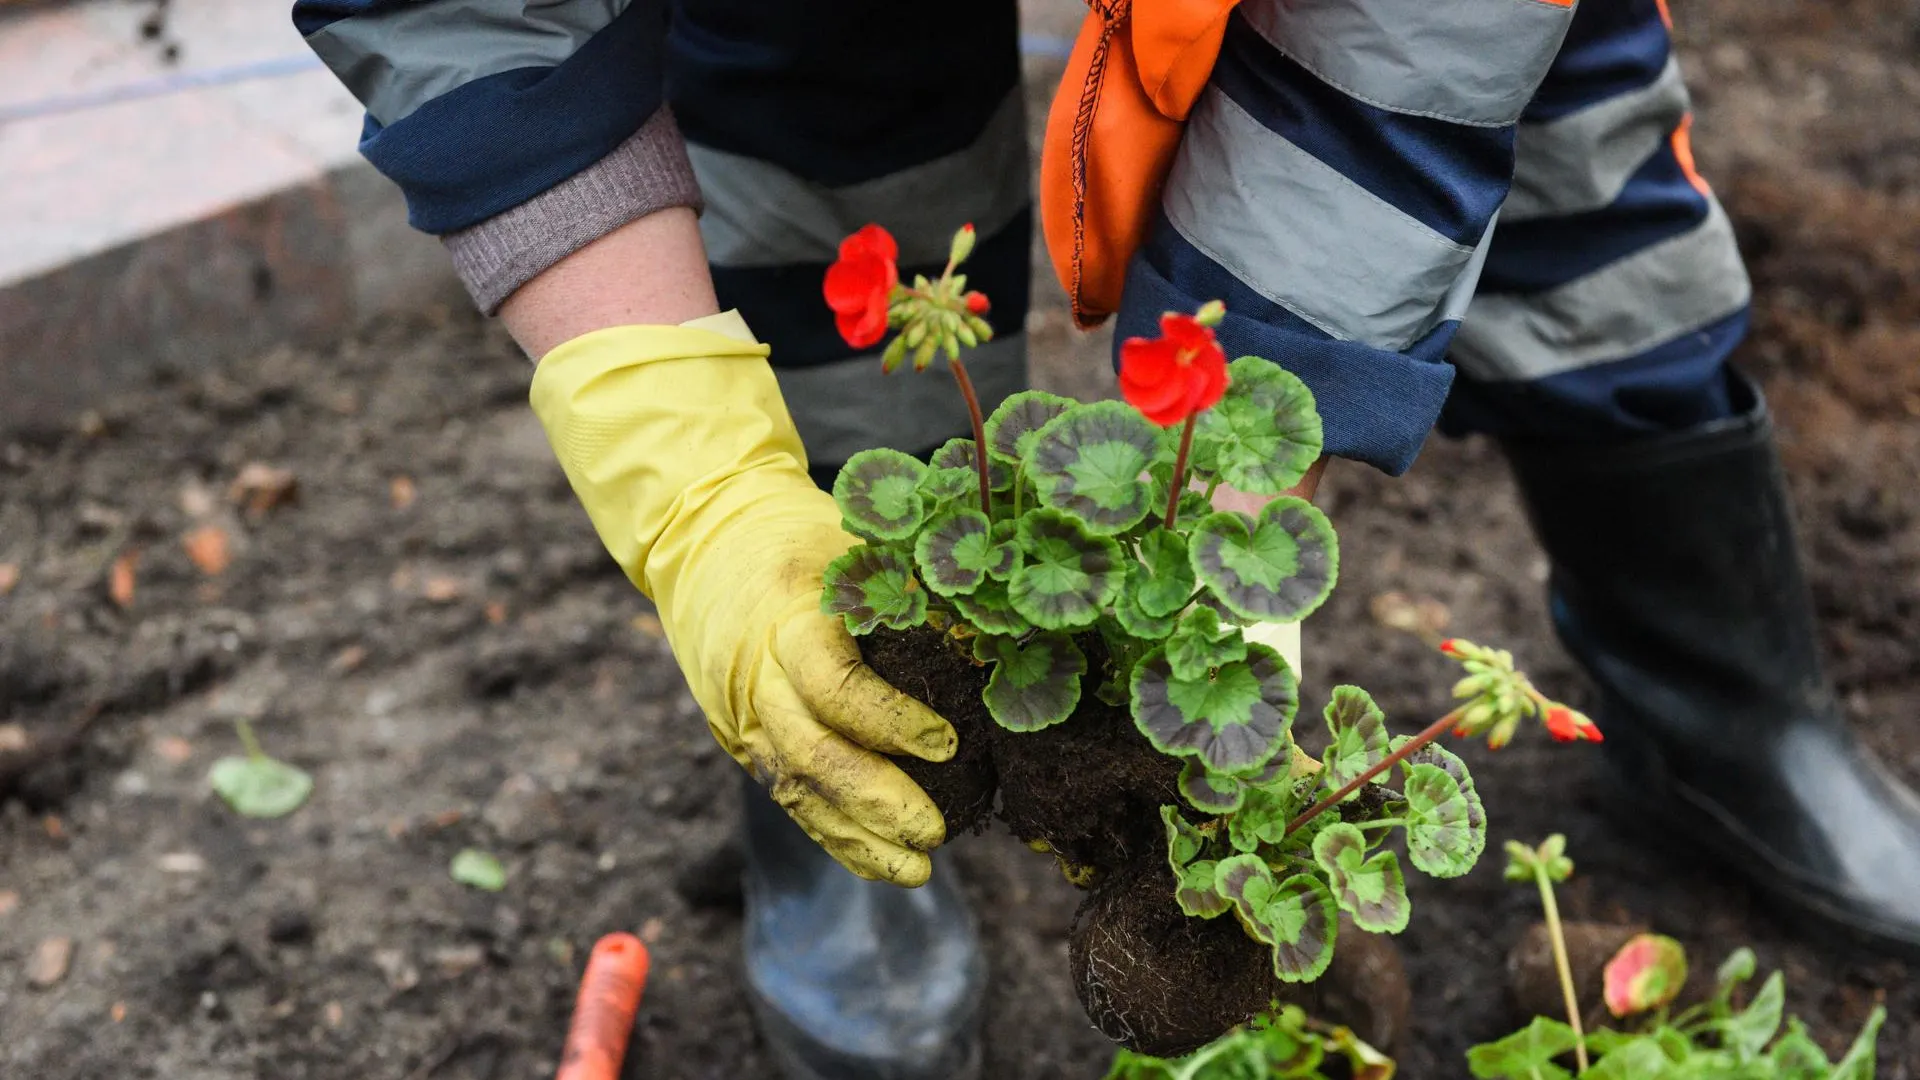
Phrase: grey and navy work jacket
{"type": "Point", "coordinates": [1486, 207]}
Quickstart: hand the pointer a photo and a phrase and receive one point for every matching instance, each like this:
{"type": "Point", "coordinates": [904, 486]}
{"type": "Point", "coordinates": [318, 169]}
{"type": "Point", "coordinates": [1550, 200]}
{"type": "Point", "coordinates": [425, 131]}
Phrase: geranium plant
{"type": "Point", "coordinates": [1070, 555]}
{"type": "Point", "coordinates": [1719, 1037]}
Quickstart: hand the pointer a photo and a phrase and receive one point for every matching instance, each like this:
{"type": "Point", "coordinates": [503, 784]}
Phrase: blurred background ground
{"type": "Point", "coordinates": [427, 623]}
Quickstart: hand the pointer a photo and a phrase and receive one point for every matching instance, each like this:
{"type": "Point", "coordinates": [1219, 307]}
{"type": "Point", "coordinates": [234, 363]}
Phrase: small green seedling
{"type": "Point", "coordinates": [478, 869]}
{"type": "Point", "coordinates": [256, 785]}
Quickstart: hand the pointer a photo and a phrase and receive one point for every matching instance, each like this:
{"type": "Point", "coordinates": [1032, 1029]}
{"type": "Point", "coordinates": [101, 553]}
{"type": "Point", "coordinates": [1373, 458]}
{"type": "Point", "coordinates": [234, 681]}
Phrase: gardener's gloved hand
{"type": "Point", "coordinates": [679, 447]}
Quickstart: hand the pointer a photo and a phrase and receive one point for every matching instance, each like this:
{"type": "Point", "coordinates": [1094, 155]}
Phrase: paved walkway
{"type": "Point", "coordinates": [180, 192]}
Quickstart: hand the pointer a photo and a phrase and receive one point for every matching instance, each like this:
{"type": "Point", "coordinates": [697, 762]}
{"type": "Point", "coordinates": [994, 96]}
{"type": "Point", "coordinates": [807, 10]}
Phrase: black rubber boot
{"type": "Point", "coordinates": [853, 979]}
{"type": "Point", "coordinates": [1677, 583]}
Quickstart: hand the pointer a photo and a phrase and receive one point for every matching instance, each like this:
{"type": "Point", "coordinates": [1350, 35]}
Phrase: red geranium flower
{"type": "Point", "coordinates": [860, 285]}
{"type": "Point", "coordinates": [1566, 725]}
{"type": "Point", "coordinates": [1175, 375]}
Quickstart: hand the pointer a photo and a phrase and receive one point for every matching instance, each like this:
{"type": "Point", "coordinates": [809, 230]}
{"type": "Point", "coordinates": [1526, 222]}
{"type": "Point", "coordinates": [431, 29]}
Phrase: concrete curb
{"type": "Point", "coordinates": [185, 213]}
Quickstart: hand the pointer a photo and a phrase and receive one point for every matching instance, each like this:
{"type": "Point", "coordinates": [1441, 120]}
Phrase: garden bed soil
{"type": "Point", "coordinates": [431, 628]}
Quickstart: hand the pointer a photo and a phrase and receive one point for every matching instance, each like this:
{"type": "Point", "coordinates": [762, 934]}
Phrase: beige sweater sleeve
{"type": "Point", "coordinates": [646, 173]}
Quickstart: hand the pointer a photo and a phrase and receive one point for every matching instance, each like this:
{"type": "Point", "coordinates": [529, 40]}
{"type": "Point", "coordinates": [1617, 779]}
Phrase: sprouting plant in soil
{"type": "Point", "coordinates": [478, 869]}
{"type": "Point", "coordinates": [1060, 587]}
{"type": "Point", "coordinates": [255, 784]}
{"type": "Point", "coordinates": [1718, 1037]}
{"type": "Point", "coordinates": [1284, 1045]}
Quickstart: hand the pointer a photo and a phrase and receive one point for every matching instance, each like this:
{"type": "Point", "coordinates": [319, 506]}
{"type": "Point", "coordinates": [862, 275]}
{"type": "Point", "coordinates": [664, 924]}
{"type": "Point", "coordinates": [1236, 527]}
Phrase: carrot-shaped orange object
{"type": "Point", "coordinates": [603, 1014]}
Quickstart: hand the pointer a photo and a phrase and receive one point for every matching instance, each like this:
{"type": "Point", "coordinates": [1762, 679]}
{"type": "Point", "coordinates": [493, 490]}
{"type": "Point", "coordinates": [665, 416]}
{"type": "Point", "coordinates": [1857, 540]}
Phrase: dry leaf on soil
{"type": "Point", "coordinates": [120, 578]}
{"type": "Point", "coordinates": [261, 487]}
{"type": "Point", "coordinates": [209, 549]}
{"type": "Point", "coordinates": [49, 962]}
{"type": "Point", "coordinates": [173, 749]}
{"type": "Point", "coordinates": [9, 577]}
{"type": "Point", "coordinates": [401, 491]}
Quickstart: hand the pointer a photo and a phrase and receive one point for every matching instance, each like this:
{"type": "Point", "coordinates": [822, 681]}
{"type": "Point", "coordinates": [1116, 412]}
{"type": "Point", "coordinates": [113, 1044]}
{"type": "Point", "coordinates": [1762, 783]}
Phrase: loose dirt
{"type": "Point", "coordinates": [431, 628]}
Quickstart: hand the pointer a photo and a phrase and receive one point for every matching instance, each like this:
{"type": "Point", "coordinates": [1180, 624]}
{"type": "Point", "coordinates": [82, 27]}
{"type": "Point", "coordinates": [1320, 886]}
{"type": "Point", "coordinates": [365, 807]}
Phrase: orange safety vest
{"type": "Point", "coordinates": [1134, 75]}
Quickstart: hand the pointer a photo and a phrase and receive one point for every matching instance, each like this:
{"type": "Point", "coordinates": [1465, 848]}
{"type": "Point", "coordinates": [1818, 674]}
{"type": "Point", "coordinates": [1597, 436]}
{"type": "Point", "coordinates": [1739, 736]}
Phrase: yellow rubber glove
{"type": "Point", "coordinates": [680, 448]}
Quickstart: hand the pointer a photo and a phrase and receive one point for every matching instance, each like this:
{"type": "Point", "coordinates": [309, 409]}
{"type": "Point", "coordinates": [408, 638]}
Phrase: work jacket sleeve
{"type": "Point", "coordinates": [518, 130]}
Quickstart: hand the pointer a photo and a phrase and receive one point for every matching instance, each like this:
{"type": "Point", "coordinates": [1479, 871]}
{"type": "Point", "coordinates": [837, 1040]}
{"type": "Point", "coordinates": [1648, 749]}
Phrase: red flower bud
{"type": "Point", "coordinates": [1565, 725]}
{"type": "Point", "coordinates": [1451, 647]}
{"type": "Point", "coordinates": [859, 286]}
{"type": "Point", "coordinates": [1173, 376]}
{"type": "Point", "coordinates": [977, 303]}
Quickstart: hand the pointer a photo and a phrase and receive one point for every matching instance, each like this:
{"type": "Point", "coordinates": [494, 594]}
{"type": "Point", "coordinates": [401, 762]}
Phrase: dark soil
{"type": "Point", "coordinates": [361, 632]}
{"type": "Point", "coordinates": [924, 666]}
{"type": "Point", "coordinates": [1153, 979]}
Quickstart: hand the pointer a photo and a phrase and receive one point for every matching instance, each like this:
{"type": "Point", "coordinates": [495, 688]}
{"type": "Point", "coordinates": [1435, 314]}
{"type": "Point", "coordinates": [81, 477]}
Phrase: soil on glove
{"type": "Point", "coordinates": [459, 664]}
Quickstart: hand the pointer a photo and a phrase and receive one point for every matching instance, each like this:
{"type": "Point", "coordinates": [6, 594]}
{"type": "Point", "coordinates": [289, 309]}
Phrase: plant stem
{"type": "Point", "coordinates": [1213, 485]}
{"type": "Point", "coordinates": [244, 728]}
{"type": "Point", "coordinates": [1433, 731]}
{"type": "Point", "coordinates": [1179, 473]}
{"type": "Point", "coordinates": [1560, 962]}
{"type": "Point", "coordinates": [979, 433]}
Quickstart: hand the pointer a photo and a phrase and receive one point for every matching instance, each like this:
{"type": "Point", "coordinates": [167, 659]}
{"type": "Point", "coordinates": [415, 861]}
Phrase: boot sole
{"type": "Point", "coordinates": [1653, 811]}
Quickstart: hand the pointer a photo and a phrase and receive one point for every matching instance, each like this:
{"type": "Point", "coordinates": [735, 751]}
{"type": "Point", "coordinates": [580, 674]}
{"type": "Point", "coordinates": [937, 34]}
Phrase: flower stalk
{"type": "Point", "coordinates": [1413, 746]}
{"type": "Point", "coordinates": [979, 430]}
{"type": "Point", "coordinates": [1179, 472]}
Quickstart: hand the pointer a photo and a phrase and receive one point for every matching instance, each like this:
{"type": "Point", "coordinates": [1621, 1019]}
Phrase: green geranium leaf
{"type": "Point", "coordinates": [1137, 623]}
{"type": "Point", "coordinates": [952, 474]}
{"type": "Point", "coordinates": [1749, 1031]}
{"type": "Point", "coordinates": [1450, 763]}
{"type": "Point", "coordinates": [1372, 890]}
{"type": "Point", "coordinates": [1194, 890]}
{"type": "Point", "coordinates": [1857, 1062]}
{"type": "Point", "coordinates": [1234, 719]}
{"type": "Point", "coordinates": [1227, 617]}
{"type": "Point", "coordinates": [1089, 460]}
{"type": "Point", "coordinates": [956, 552]}
{"type": "Point", "coordinates": [1262, 819]}
{"type": "Point", "coordinates": [477, 869]}
{"type": "Point", "coordinates": [260, 786]}
{"type": "Point", "coordinates": [1359, 735]}
{"type": "Point", "coordinates": [1797, 1057]}
{"type": "Point", "coordinates": [1066, 575]}
{"type": "Point", "coordinates": [1036, 683]}
{"type": "Point", "coordinates": [1184, 842]}
{"type": "Point", "coordinates": [879, 494]}
{"type": "Point", "coordinates": [1215, 793]}
{"type": "Point", "coordinates": [1441, 840]}
{"type": "Point", "coordinates": [1526, 1054]}
{"type": "Point", "coordinates": [871, 587]}
{"type": "Point", "coordinates": [1296, 916]}
{"type": "Point", "coordinates": [1200, 644]}
{"type": "Point", "coordinates": [1277, 567]}
{"type": "Point", "coordinates": [1164, 580]}
{"type": "Point", "coordinates": [990, 610]}
{"type": "Point", "coordinates": [1006, 534]}
{"type": "Point", "coordinates": [1017, 422]}
{"type": "Point", "coordinates": [1264, 434]}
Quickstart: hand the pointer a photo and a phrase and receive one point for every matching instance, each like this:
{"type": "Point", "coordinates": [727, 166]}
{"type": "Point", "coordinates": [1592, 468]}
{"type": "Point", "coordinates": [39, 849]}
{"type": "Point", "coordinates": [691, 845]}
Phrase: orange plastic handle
{"type": "Point", "coordinates": [603, 1014]}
